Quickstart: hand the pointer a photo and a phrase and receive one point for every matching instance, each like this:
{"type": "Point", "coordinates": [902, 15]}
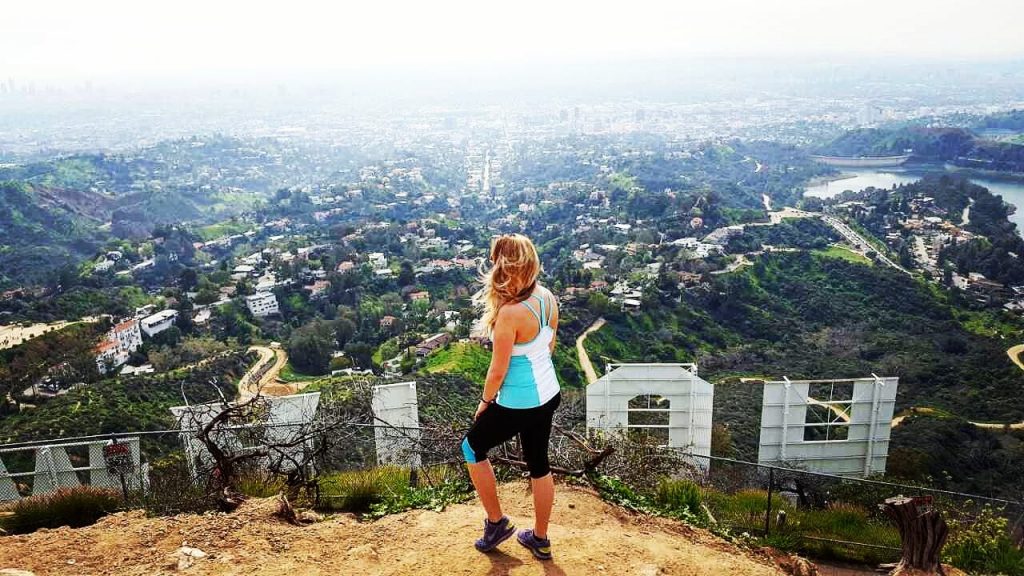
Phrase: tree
{"type": "Point", "coordinates": [406, 275]}
{"type": "Point", "coordinates": [344, 328]}
{"type": "Point", "coordinates": [310, 348]}
{"type": "Point", "coordinates": [188, 279]}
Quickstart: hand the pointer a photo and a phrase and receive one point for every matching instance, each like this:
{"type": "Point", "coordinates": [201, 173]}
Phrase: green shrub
{"type": "Point", "coordinates": [439, 487]}
{"type": "Point", "coordinates": [357, 491]}
{"type": "Point", "coordinates": [679, 495]}
{"type": "Point", "coordinates": [744, 511]}
{"type": "Point", "coordinates": [386, 490]}
{"type": "Point", "coordinates": [618, 492]}
{"type": "Point", "coordinates": [980, 543]}
{"type": "Point", "coordinates": [74, 507]}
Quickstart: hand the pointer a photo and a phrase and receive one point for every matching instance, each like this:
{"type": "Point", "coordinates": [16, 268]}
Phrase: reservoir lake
{"type": "Point", "coordinates": [1012, 191]}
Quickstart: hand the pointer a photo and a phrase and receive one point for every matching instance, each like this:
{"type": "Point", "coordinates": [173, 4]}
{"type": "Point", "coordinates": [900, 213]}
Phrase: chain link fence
{"type": "Point", "coordinates": [819, 514]}
{"type": "Point", "coordinates": [827, 515]}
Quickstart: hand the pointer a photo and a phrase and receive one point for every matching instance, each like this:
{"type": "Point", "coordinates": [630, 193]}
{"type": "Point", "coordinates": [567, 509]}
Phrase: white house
{"type": "Point", "coordinates": [126, 335]}
{"type": "Point", "coordinates": [378, 260]}
{"type": "Point", "coordinates": [118, 345]}
{"type": "Point", "coordinates": [106, 356]}
{"type": "Point", "coordinates": [157, 323]}
{"type": "Point", "coordinates": [262, 304]}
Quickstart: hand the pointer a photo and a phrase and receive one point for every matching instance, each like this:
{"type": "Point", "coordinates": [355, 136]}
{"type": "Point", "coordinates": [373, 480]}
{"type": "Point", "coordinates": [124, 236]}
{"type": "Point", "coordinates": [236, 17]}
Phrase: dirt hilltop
{"type": "Point", "coordinates": [590, 537]}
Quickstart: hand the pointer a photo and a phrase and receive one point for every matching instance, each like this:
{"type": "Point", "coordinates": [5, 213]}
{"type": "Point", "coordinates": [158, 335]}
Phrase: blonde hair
{"type": "Point", "coordinates": [512, 277]}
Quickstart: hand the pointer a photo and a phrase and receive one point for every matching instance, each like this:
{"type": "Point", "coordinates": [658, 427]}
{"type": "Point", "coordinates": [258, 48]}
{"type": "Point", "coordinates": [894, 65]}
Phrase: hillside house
{"type": "Point", "coordinates": [432, 344]}
{"type": "Point", "coordinates": [262, 304]}
{"type": "Point", "coordinates": [157, 323]}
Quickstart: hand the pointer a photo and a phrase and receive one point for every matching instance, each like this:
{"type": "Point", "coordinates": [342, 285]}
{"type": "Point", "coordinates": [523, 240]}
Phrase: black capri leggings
{"type": "Point", "coordinates": [498, 424]}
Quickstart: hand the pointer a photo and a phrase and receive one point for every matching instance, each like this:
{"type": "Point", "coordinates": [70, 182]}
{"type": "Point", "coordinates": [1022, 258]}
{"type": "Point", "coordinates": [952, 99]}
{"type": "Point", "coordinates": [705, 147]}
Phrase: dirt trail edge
{"type": "Point", "coordinates": [590, 537]}
{"type": "Point", "coordinates": [585, 364]}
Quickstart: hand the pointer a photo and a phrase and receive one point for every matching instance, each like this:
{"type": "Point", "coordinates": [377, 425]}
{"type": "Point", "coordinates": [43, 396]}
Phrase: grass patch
{"type": "Point", "coordinates": [465, 358]}
{"type": "Point", "coordinates": [987, 323]}
{"type": "Point", "coordinates": [843, 254]}
{"type": "Point", "coordinates": [290, 374]}
{"type": "Point", "coordinates": [384, 490]}
{"type": "Point", "coordinates": [74, 507]}
{"type": "Point", "coordinates": [743, 513]}
{"type": "Point", "coordinates": [261, 485]}
{"type": "Point", "coordinates": [221, 229]}
{"type": "Point", "coordinates": [357, 490]}
{"type": "Point", "coordinates": [679, 495]}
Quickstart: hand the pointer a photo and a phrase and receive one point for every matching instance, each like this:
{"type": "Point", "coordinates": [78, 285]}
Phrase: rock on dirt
{"type": "Point", "coordinates": [186, 556]}
{"type": "Point", "coordinates": [589, 536]}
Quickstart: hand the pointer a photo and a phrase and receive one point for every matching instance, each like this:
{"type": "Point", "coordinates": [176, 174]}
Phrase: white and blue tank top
{"type": "Point", "coordinates": [531, 380]}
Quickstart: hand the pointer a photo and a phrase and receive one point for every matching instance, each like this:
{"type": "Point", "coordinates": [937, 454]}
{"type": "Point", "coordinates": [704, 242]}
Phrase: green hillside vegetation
{"type": "Point", "coordinates": [843, 253]}
{"type": "Point", "coordinates": [808, 233]}
{"type": "Point", "coordinates": [465, 358]}
{"type": "Point", "coordinates": [1009, 120]}
{"type": "Point", "coordinates": [806, 316]}
{"type": "Point", "coordinates": [122, 404]}
{"type": "Point", "coordinates": [41, 230]}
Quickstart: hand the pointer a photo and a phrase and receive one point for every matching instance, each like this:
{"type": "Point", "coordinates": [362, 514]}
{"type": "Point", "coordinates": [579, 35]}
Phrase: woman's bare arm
{"type": "Point", "coordinates": [553, 322]}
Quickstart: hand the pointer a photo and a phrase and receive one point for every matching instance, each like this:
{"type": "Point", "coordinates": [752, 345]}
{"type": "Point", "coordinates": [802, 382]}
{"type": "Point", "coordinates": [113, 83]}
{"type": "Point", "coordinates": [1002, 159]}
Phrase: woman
{"type": "Point", "coordinates": [521, 392]}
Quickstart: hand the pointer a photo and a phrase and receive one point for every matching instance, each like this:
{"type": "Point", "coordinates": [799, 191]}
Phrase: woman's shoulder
{"type": "Point", "coordinates": [546, 293]}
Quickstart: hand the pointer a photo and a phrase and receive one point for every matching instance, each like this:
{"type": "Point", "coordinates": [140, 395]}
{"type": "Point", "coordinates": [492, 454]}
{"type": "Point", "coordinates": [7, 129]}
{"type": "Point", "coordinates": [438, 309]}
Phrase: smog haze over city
{"type": "Point", "coordinates": [215, 65]}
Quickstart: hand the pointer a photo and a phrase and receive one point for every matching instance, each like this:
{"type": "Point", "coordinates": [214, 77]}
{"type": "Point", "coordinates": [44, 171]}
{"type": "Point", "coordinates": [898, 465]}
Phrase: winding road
{"type": "Point", "coordinates": [585, 364]}
{"type": "Point", "coordinates": [262, 377]}
{"type": "Point", "coordinates": [1014, 353]}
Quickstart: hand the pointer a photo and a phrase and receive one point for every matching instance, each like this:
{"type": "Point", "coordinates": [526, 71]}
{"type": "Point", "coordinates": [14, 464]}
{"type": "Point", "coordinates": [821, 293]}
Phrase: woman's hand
{"type": "Point", "coordinates": [480, 409]}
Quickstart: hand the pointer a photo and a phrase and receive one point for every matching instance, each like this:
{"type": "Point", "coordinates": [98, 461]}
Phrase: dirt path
{"type": "Point", "coordinates": [1014, 354]}
{"type": "Point", "coordinates": [585, 364]}
{"type": "Point", "coordinates": [590, 537]}
{"type": "Point", "coordinates": [254, 382]}
{"type": "Point", "coordinates": [14, 334]}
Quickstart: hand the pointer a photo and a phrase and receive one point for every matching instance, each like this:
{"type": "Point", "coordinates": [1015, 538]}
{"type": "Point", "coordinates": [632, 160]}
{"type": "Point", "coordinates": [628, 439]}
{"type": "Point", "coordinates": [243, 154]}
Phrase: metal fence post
{"type": "Point", "coordinates": [768, 512]}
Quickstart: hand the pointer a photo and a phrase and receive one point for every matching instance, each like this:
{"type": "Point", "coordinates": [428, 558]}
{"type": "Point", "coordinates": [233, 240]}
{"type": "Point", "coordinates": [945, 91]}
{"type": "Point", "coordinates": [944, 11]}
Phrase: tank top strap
{"type": "Point", "coordinates": [543, 310]}
{"type": "Point", "coordinates": [533, 310]}
{"type": "Point", "coordinates": [550, 309]}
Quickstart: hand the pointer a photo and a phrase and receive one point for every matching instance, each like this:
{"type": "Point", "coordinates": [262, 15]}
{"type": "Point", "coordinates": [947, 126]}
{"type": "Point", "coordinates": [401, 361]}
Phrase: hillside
{"type": "Point", "coordinates": [44, 227]}
{"type": "Point", "coordinates": [956, 146]}
{"type": "Point", "coordinates": [61, 210]}
{"type": "Point", "coordinates": [589, 537]}
{"type": "Point", "coordinates": [809, 316]}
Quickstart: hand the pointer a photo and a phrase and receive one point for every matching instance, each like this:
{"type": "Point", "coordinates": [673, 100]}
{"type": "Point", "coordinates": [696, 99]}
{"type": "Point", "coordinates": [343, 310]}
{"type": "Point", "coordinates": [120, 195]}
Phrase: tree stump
{"type": "Point", "coordinates": [923, 533]}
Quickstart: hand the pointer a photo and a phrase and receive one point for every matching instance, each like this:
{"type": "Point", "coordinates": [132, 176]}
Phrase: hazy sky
{"type": "Point", "coordinates": [50, 40]}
